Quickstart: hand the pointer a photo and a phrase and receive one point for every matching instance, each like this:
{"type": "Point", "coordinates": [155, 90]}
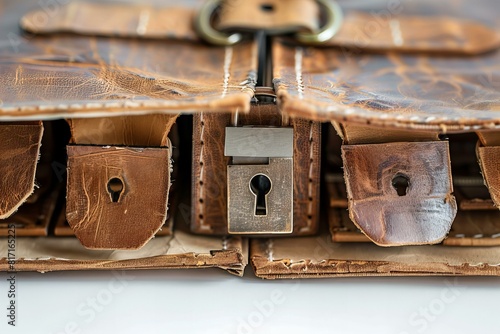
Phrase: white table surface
{"type": "Point", "coordinates": [212, 301]}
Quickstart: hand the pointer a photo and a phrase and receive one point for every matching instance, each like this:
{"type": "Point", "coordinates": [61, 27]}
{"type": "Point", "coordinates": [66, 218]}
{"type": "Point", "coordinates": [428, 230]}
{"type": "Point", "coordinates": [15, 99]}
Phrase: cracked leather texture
{"type": "Point", "coordinates": [132, 219]}
{"type": "Point", "coordinates": [64, 75]}
{"type": "Point", "coordinates": [438, 91]}
{"type": "Point", "coordinates": [423, 214]}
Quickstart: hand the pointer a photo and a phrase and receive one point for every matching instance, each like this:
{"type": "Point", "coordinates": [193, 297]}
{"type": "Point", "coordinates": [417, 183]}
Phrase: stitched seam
{"type": "Point", "coordinates": [476, 236]}
{"type": "Point", "coordinates": [228, 59]}
{"type": "Point", "coordinates": [143, 22]}
{"type": "Point", "coordinates": [298, 71]}
{"type": "Point", "coordinates": [201, 201]}
{"type": "Point", "coordinates": [310, 181]}
{"type": "Point", "coordinates": [397, 35]}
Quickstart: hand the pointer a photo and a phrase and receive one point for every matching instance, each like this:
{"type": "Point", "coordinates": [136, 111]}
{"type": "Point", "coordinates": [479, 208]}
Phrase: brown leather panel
{"type": "Point", "coordinates": [127, 221]}
{"type": "Point", "coordinates": [209, 188]}
{"type": "Point", "coordinates": [423, 214]}
{"type": "Point", "coordinates": [62, 228]}
{"type": "Point", "coordinates": [402, 33]}
{"type": "Point", "coordinates": [19, 153]}
{"type": "Point", "coordinates": [171, 20]}
{"type": "Point", "coordinates": [489, 138]}
{"type": "Point", "coordinates": [438, 92]}
{"type": "Point", "coordinates": [354, 134]}
{"type": "Point", "coordinates": [361, 30]}
{"type": "Point", "coordinates": [295, 15]}
{"type": "Point", "coordinates": [179, 251]}
{"type": "Point", "coordinates": [489, 160]}
{"type": "Point", "coordinates": [142, 131]}
{"type": "Point", "coordinates": [71, 76]}
{"type": "Point", "coordinates": [315, 257]}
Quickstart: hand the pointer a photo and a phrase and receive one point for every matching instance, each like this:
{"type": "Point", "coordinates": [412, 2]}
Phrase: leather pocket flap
{"type": "Point", "coordinates": [400, 193]}
{"type": "Point", "coordinates": [117, 197]}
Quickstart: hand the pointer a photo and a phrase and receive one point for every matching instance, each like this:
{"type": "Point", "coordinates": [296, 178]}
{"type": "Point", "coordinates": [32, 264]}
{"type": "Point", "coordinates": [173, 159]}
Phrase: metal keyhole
{"type": "Point", "coordinates": [115, 188]}
{"type": "Point", "coordinates": [260, 185]}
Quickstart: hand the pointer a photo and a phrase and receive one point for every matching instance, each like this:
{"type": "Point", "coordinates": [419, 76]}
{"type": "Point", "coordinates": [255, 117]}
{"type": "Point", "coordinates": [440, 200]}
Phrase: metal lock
{"type": "Point", "coordinates": [260, 180]}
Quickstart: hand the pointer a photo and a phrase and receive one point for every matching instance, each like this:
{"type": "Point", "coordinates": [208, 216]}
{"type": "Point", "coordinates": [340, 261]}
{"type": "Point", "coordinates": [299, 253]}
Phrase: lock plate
{"type": "Point", "coordinates": [267, 152]}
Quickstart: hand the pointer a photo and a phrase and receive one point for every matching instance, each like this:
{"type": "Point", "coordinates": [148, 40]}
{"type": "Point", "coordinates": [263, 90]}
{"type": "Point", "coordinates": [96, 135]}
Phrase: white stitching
{"type": "Point", "coordinates": [298, 71]}
{"type": "Point", "coordinates": [397, 35]}
{"type": "Point", "coordinates": [143, 22]}
{"type": "Point", "coordinates": [228, 58]}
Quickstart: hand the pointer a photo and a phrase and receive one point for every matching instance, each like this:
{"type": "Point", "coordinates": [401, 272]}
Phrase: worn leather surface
{"type": "Point", "coordinates": [318, 256]}
{"type": "Point", "coordinates": [277, 15]}
{"type": "Point", "coordinates": [439, 91]}
{"type": "Point", "coordinates": [423, 214]}
{"type": "Point", "coordinates": [489, 160]}
{"type": "Point", "coordinates": [179, 251]}
{"type": "Point", "coordinates": [142, 131]}
{"type": "Point", "coordinates": [209, 181]}
{"type": "Point", "coordinates": [19, 153]}
{"type": "Point", "coordinates": [68, 76]}
{"type": "Point", "coordinates": [362, 28]}
{"type": "Point", "coordinates": [150, 19]}
{"type": "Point", "coordinates": [130, 220]}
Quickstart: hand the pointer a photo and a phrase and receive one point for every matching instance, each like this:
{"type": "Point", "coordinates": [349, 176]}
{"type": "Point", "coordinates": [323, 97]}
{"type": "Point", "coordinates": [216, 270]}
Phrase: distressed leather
{"type": "Point", "coordinates": [139, 131]}
{"type": "Point", "coordinates": [67, 76]}
{"type": "Point", "coordinates": [209, 180]}
{"type": "Point", "coordinates": [427, 91]}
{"type": "Point", "coordinates": [19, 153]}
{"type": "Point", "coordinates": [100, 221]}
{"type": "Point", "coordinates": [423, 214]}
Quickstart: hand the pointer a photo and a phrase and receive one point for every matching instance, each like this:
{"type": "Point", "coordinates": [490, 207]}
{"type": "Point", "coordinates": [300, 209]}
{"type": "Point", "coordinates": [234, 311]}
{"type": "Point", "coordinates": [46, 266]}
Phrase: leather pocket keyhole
{"type": "Point", "coordinates": [260, 185]}
{"type": "Point", "coordinates": [115, 188]}
{"type": "Point", "coordinates": [267, 7]}
{"type": "Point", "coordinates": [401, 183]}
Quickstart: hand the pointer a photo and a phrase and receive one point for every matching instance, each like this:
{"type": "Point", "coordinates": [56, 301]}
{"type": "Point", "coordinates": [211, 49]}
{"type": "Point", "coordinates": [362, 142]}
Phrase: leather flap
{"type": "Point", "coordinates": [361, 29]}
{"type": "Point", "coordinates": [19, 152]}
{"type": "Point", "coordinates": [400, 193]}
{"type": "Point", "coordinates": [117, 197]}
{"type": "Point", "coordinates": [315, 257]}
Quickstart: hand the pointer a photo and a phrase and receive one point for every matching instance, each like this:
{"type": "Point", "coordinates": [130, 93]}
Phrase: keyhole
{"type": "Point", "coordinates": [267, 7]}
{"type": "Point", "coordinates": [401, 183]}
{"type": "Point", "coordinates": [115, 188]}
{"type": "Point", "coordinates": [260, 185]}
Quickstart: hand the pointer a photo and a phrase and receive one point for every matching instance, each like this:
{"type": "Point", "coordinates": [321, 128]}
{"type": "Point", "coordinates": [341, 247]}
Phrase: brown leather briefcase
{"type": "Point", "coordinates": [310, 138]}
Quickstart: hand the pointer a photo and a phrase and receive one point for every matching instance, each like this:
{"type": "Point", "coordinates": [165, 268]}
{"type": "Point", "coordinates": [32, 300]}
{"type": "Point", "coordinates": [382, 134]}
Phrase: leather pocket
{"type": "Point", "coordinates": [117, 197]}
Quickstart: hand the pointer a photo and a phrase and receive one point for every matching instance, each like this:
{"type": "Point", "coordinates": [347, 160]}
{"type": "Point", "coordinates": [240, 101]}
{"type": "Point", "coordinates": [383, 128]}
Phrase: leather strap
{"type": "Point", "coordinates": [209, 189]}
{"type": "Point", "coordinates": [271, 15]}
{"type": "Point", "coordinates": [360, 30]}
{"type": "Point", "coordinates": [113, 19]}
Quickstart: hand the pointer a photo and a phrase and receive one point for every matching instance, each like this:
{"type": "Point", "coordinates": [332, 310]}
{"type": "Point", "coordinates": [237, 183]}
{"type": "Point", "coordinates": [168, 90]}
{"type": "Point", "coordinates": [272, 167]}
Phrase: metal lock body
{"type": "Point", "coordinates": [260, 180]}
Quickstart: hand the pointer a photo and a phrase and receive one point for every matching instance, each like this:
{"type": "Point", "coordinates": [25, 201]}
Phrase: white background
{"type": "Point", "coordinates": [212, 301]}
